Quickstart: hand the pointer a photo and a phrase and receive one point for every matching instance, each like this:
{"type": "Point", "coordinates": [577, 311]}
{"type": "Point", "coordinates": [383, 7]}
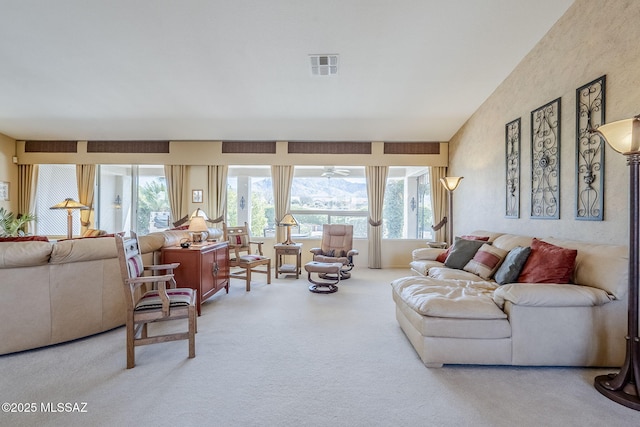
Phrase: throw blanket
{"type": "Point", "coordinates": [461, 299]}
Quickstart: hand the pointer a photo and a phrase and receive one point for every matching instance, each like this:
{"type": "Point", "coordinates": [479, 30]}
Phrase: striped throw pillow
{"type": "Point", "coordinates": [486, 261]}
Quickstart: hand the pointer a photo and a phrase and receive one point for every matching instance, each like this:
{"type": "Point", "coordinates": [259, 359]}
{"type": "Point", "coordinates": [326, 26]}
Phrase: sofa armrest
{"type": "Point", "coordinates": [316, 251]}
{"type": "Point", "coordinates": [550, 295]}
{"type": "Point", "coordinates": [427, 254]}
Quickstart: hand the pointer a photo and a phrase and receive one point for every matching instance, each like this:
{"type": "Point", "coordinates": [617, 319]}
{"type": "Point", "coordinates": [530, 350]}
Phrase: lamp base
{"type": "Point", "coordinates": [288, 241]}
{"type": "Point", "coordinates": [627, 396]}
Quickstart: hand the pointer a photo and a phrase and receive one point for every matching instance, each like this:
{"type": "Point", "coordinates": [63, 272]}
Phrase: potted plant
{"type": "Point", "coordinates": [11, 226]}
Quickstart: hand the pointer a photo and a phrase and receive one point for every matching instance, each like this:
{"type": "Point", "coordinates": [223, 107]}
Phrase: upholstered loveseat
{"type": "Point", "coordinates": [457, 316]}
{"type": "Point", "coordinates": [52, 292]}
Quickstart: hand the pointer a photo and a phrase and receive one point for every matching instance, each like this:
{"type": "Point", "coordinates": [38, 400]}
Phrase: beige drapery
{"type": "Point", "coordinates": [376, 183]}
{"type": "Point", "coordinates": [176, 176]}
{"type": "Point", "coordinates": [217, 203]}
{"type": "Point", "coordinates": [438, 201]}
{"type": "Point", "coordinates": [27, 184]}
{"type": "Point", "coordinates": [86, 179]}
{"type": "Point", "coordinates": [281, 177]}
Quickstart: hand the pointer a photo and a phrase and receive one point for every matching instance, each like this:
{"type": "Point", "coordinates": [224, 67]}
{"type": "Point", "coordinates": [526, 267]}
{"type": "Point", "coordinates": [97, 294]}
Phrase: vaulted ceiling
{"type": "Point", "coordinates": [240, 69]}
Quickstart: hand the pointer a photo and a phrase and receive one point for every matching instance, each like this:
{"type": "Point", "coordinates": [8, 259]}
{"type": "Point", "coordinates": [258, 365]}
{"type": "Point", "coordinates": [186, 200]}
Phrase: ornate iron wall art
{"type": "Point", "coordinates": [545, 161]}
{"type": "Point", "coordinates": [512, 142]}
{"type": "Point", "coordinates": [590, 151]}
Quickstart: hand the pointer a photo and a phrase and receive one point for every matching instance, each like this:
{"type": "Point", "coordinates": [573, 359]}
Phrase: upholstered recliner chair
{"type": "Point", "coordinates": [337, 246]}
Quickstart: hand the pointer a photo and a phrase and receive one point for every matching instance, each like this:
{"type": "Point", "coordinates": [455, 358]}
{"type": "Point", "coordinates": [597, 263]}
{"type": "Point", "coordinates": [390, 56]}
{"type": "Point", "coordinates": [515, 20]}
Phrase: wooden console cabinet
{"type": "Point", "coordinates": [203, 268]}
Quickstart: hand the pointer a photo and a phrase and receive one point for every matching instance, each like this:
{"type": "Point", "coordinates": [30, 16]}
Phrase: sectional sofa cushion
{"type": "Point", "coordinates": [548, 263]}
{"type": "Point", "coordinates": [510, 269]}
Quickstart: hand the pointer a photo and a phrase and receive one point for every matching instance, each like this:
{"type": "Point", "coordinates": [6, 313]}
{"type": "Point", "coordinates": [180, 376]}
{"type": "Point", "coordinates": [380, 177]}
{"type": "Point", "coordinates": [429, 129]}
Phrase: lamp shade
{"type": "Point", "coordinates": [69, 204]}
{"type": "Point", "coordinates": [451, 182]}
{"type": "Point", "coordinates": [199, 213]}
{"type": "Point", "coordinates": [288, 220]}
{"type": "Point", "coordinates": [623, 135]}
{"type": "Point", "coordinates": [197, 224]}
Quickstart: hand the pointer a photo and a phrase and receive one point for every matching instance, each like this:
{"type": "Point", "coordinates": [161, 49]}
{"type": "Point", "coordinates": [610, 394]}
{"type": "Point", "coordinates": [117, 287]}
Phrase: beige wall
{"type": "Point", "coordinates": [589, 41]}
{"type": "Point", "coordinates": [8, 171]}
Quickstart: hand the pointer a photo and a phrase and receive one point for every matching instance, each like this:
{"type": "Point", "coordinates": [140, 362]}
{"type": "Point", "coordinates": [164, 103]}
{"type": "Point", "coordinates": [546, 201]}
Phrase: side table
{"type": "Point", "coordinates": [292, 249]}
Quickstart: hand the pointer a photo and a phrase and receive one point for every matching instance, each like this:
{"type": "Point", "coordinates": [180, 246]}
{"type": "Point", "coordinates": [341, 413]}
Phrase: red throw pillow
{"type": "Point", "coordinates": [25, 239]}
{"type": "Point", "coordinates": [443, 256]}
{"type": "Point", "coordinates": [548, 263]}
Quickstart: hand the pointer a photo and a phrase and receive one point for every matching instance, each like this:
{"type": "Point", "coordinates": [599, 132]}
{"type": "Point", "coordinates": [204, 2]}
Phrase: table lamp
{"type": "Point", "coordinates": [288, 221]}
{"type": "Point", "coordinates": [198, 226]}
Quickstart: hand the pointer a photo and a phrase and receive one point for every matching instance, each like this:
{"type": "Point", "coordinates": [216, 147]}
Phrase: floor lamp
{"type": "Point", "coordinates": [450, 183]}
{"type": "Point", "coordinates": [624, 137]}
{"type": "Point", "coordinates": [69, 204]}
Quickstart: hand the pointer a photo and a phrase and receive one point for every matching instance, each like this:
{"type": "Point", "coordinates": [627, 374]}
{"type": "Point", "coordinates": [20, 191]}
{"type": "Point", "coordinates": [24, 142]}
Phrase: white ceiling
{"type": "Point", "coordinates": [410, 70]}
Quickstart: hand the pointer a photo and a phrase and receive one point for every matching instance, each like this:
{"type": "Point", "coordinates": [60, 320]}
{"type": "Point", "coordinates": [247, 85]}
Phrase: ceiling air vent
{"type": "Point", "coordinates": [324, 65]}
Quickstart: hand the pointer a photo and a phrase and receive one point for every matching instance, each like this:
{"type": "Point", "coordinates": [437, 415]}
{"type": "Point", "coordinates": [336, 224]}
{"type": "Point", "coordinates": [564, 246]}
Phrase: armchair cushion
{"type": "Point", "coordinates": [177, 297]}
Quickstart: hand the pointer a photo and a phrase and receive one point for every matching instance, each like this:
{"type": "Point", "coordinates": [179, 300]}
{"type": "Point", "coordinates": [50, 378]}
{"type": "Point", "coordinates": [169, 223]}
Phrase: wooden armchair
{"type": "Point", "coordinates": [146, 305]}
{"type": "Point", "coordinates": [240, 255]}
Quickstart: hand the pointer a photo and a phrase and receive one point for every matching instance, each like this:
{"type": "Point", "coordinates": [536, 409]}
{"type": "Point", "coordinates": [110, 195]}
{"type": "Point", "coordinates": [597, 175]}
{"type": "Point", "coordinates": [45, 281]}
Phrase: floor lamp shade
{"type": "Point", "coordinates": [69, 204]}
{"type": "Point", "coordinates": [624, 137]}
{"type": "Point", "coordinates": [450, 183]}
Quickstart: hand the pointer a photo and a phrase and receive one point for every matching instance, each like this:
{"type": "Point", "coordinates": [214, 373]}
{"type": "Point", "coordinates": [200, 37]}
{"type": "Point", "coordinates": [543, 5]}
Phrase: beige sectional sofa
{"type": "Point", "coordinates": [452, 316]}
{"type": "Point", "coordinates": [54, 292]}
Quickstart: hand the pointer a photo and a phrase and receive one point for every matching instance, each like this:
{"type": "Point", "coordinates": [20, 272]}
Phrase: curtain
{"type": "Point", "coordinates": [376, 183]}
{"type": "Point", "coordinates": [177, 190]}
{"type": "Point", "coordinates": [438, 201]}
{"type": "Point", "coordinates": [27, 184]}
{"type": "Point", "coordinates": [86, 178]}
{"type": "Point", "coordinates": [217, 177]}
{"type": "Point", "coordinates": [281, 177]}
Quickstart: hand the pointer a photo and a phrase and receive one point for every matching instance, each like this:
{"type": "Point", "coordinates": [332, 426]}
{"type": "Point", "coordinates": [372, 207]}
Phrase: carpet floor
{"type": "Point", "coordinates": [283, 356]}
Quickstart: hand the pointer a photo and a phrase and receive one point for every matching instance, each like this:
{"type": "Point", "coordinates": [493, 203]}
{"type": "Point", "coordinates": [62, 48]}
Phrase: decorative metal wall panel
{"type": "Point", "coordinates": [512, 142]}
{"type": "Point", "coordinates": [545, 161]}
{"type": "Point", "coordinates": [590, 102]}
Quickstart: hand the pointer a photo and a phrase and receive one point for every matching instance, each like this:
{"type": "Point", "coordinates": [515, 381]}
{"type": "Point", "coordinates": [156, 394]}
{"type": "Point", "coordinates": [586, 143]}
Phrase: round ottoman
{"type": "Point", "coordinates": [323, 268]}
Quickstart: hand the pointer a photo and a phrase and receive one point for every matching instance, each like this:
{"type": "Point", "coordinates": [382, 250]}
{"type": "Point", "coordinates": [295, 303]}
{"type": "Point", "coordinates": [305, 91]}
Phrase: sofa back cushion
{"type": "Point", "coordinates": [24, 254]}
{"type": "Point", "coordinates": [599, 265]}
{"type": "Point", "coordinates": [510, 241]}
{"type": "Point", "coordinates": [77, 250]}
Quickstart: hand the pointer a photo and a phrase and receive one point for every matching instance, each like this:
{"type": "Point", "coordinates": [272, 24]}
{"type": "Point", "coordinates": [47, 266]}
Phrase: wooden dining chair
{"type": "Point", "coordinates": [152, 298]}
{"type": "Point", "coordinates": [240, 256]}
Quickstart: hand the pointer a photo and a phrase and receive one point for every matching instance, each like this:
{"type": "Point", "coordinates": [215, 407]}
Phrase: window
{"type": "Point", "coordinates": [132, 194]}
{"type": "Point", "coordinates": [250, 199]}
{"type": "Point", "coordinates": [329, 195]}
{"type": "Point", "coordinates": [55, 183]}
{"type": "Point", "coordinates": [407, 210]}
{"type": "Point", "coordinates": [127, 197]}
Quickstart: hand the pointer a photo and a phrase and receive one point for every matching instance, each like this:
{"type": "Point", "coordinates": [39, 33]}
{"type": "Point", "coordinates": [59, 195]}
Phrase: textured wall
{"type": "Point", "coordinates": [589, 41]}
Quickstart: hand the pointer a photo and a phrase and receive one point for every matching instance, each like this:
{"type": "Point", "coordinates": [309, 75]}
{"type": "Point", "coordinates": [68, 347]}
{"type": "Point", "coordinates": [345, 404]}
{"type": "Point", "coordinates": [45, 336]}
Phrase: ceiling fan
{"type": "Point", "coordinates": [331, 171]}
